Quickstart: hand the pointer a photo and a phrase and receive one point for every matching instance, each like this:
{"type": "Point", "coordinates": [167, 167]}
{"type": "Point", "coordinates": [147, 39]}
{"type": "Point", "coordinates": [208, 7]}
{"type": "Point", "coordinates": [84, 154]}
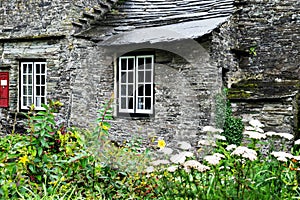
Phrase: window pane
{"type": "Point", "coordinates": [43, 100]}
{"type": "Point", "coordinates": [149, 66]}
{"type": "Point", "coordinates": [29, 79]}
{"type": "Point", "coordinates": [123, 77]}
{"type": "Point", "coordinates": [148, 103]}
{"type": "Point", "coordinates": [130, 90]}
{"type": "Point", "coordinates": [148, 90]}
{"type": "Point", "coordinates": [38, 91]}
{"type": "Point", "coordinates": [38, 80]}
{"type": "Point", "coordinates": [123, 64]}
{"type": "Point", "coordinates": [141, 63]}
{"type": "Point", "coordinates": [148, 76]}
{"type": "Point", "coordinates": [24, 90]}
{"type": "Point", "coordinates": [43, 90]}
{"type": "Point", "coordinates": [148, 60]}
{"type": "Point", "coordinates": [24, 68]}
{"type": "Point", "coordinates": [29, 101]}
{"type": "Point", "coordinates": [130, 77]}
{"type": "Point", "coordinates": [123, 103]}
{"type": "Point", "coordinates": [140, 103]}
{"type": "Point", "coordinates": [38, 68]}
{"type": "Point", "coordinates": [141, 76]}
{"type": "Point", "coordinates": [43, 68]}
{"type": "Point", "coordinates": [29, 90]}
{"type": "Point", "coordinates": [24, 79]}
{"type": "Point", "coordinates": [141, 90]}
{"type": "Point", "coordinates": [38, 102]}
{"type": "Point", "coordinates": [25, 101]}
{"type": "Point", "coordinates": [130, 64]}
{"type": "Point", "coordinates": [130, 103]}
{"type": "Point", "coordinates": [29, 69]}
{"type": "Point", "coordinates": [123, 90]}
{"type": "Point", "coordinates": [43, 77]}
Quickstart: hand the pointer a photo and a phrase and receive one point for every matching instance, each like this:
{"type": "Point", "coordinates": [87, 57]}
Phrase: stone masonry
{"type": "Point", "coordinates": [255, 53]}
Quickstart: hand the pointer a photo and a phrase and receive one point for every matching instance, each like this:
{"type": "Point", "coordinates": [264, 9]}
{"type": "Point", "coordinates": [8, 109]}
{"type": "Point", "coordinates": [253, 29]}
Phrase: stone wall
{"type": "Point", "coordinates": [43, 29]}
{"type": "Point", "coordinates": [183, 93]}
{"type": "Point", "coordinates": [41, 18]}
{"type": "Point", "coordinates": [258, 50]}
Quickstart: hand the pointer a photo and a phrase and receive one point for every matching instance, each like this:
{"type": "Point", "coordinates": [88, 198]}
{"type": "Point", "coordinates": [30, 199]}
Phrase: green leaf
{"type": "Point", "coordinates": [31, 168]}
{"type": "Point", "coordinates": [42, 113]}
{"type": "Point", "coordinates": [40, 151]}
{"type": "Point", "coordinates": [45, 158]}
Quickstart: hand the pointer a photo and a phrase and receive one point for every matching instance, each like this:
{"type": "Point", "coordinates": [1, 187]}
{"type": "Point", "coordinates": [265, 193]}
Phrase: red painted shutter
{"type": "Point", "coordinates": [4, 89]}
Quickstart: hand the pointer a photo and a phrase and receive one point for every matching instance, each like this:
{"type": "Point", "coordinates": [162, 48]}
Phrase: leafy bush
{"type": "Point", "coordinates": [53, 162]}
{"type": "Point", "coordinates": [233, 127]}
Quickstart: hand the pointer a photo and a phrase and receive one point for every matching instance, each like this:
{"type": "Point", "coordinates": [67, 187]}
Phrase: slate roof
{"type": "Point", "coordinates": [181, 15]}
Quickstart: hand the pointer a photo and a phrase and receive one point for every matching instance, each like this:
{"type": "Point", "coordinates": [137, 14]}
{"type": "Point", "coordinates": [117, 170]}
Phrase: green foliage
{"type": "Point", "coordinates": [53, 162]}
{"type": "Point", "coordinates": [252, 50]}
{"type": "Point", "coordinates": [233, 127]}
{"type": "Point", "coordinates": [233, 130]}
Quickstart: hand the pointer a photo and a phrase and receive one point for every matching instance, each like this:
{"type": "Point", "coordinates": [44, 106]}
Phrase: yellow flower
{"type": "Point", "coordinates": [104, 126]}
{"type": "Point", "coordinates": [23, 159]}
{"type": "Point", "coordinates": [161, 144]}
{"type": "Point", "coordinates": [58, 103]}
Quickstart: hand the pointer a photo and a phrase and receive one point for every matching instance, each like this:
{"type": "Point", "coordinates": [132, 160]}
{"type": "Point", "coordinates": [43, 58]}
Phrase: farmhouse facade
{"type": "Point", "coordinates": [164, 62]}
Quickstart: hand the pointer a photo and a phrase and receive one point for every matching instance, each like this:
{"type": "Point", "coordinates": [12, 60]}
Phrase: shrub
{"type": "Point", "coordinates": [233, 127]}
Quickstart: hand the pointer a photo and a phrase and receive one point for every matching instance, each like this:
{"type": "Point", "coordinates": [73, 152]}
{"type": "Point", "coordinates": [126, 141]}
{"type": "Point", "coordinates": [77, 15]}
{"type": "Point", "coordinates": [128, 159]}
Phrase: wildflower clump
{"type": "Point", "coordinates": [194, 164]}
{"type": "Point", "coordinates": [214, 159]}
{"type": "Point", "coordinates": [245, 152]}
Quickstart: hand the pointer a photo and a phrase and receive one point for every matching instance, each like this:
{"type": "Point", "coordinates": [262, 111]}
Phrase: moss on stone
{"type": "Point", "coordinates": [238, 94]}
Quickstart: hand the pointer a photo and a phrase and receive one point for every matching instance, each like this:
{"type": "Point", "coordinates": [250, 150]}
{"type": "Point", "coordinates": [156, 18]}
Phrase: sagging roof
{"type": "Point", "coordinates": [138, 21]}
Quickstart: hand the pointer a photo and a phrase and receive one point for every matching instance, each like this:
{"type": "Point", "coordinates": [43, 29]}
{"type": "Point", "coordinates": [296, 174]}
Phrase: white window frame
{"type": "Point", "coordinates": [35, 98]}
{"type": "Point", "coordinates": [136, 109]}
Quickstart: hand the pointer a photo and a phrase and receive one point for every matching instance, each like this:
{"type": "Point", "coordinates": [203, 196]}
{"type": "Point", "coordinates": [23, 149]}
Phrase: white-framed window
{"type": "Point", "coordinates": [33, 84]}
{"type": "Point", "coordinates": [135, 90]}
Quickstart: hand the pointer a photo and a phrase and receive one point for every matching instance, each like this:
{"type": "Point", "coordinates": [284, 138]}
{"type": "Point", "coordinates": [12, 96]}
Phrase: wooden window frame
{"type": "Point", "coordinates": [139, 101]}
{"type": "Point", "coordinates": [38, 92]}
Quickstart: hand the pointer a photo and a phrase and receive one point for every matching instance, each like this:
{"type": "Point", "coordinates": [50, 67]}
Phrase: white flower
{"type": "Point", "coordinates": [195, 165]}
{"type": "Point", "coordinates": [219, 155]}
{"type": "Point", "coordinates": [250, 156]}
{"type": "Point", "coordinates": [278, 154]}
{"type": "Point", "coordinates": [220, 137]}
{"type": "Point", "coordinates": [255, 135]}
{"type": "Point", "coordinates": [259, 130]}
{"type": "Point", "coordinates": [286, 136]}
{"type": "Point", "coordinates": [187, 154]}
{"type": "Point", "coordinates": [150, 169]}
{"type": "Point", "coordinates": [270, 133]}
{"type": "Point", "coordinates": [178, 158]}
{"type": "Point", "coordinates": [283, 135]}
{"type": "Point", "coordinates": [245, 153]}
{"type": "Point", "coordinates": [256, 123]}
{"type": "Point", "coordinates": [239, 151]}
{"type": "Point", "coordinates": [297, 142]}
{"type": "Point", "coordinates": [249, 128]}
{"type": "Point", "coordinates": [296, 158]}
{"type": "Point", "coordinates": [230, 147]}
{"type": "Point", "coordinates": [283, 159]}
{"type": "Point", "coordinates": [212, 159]}
{"type": "Point", "coordinates": [172, 168]}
